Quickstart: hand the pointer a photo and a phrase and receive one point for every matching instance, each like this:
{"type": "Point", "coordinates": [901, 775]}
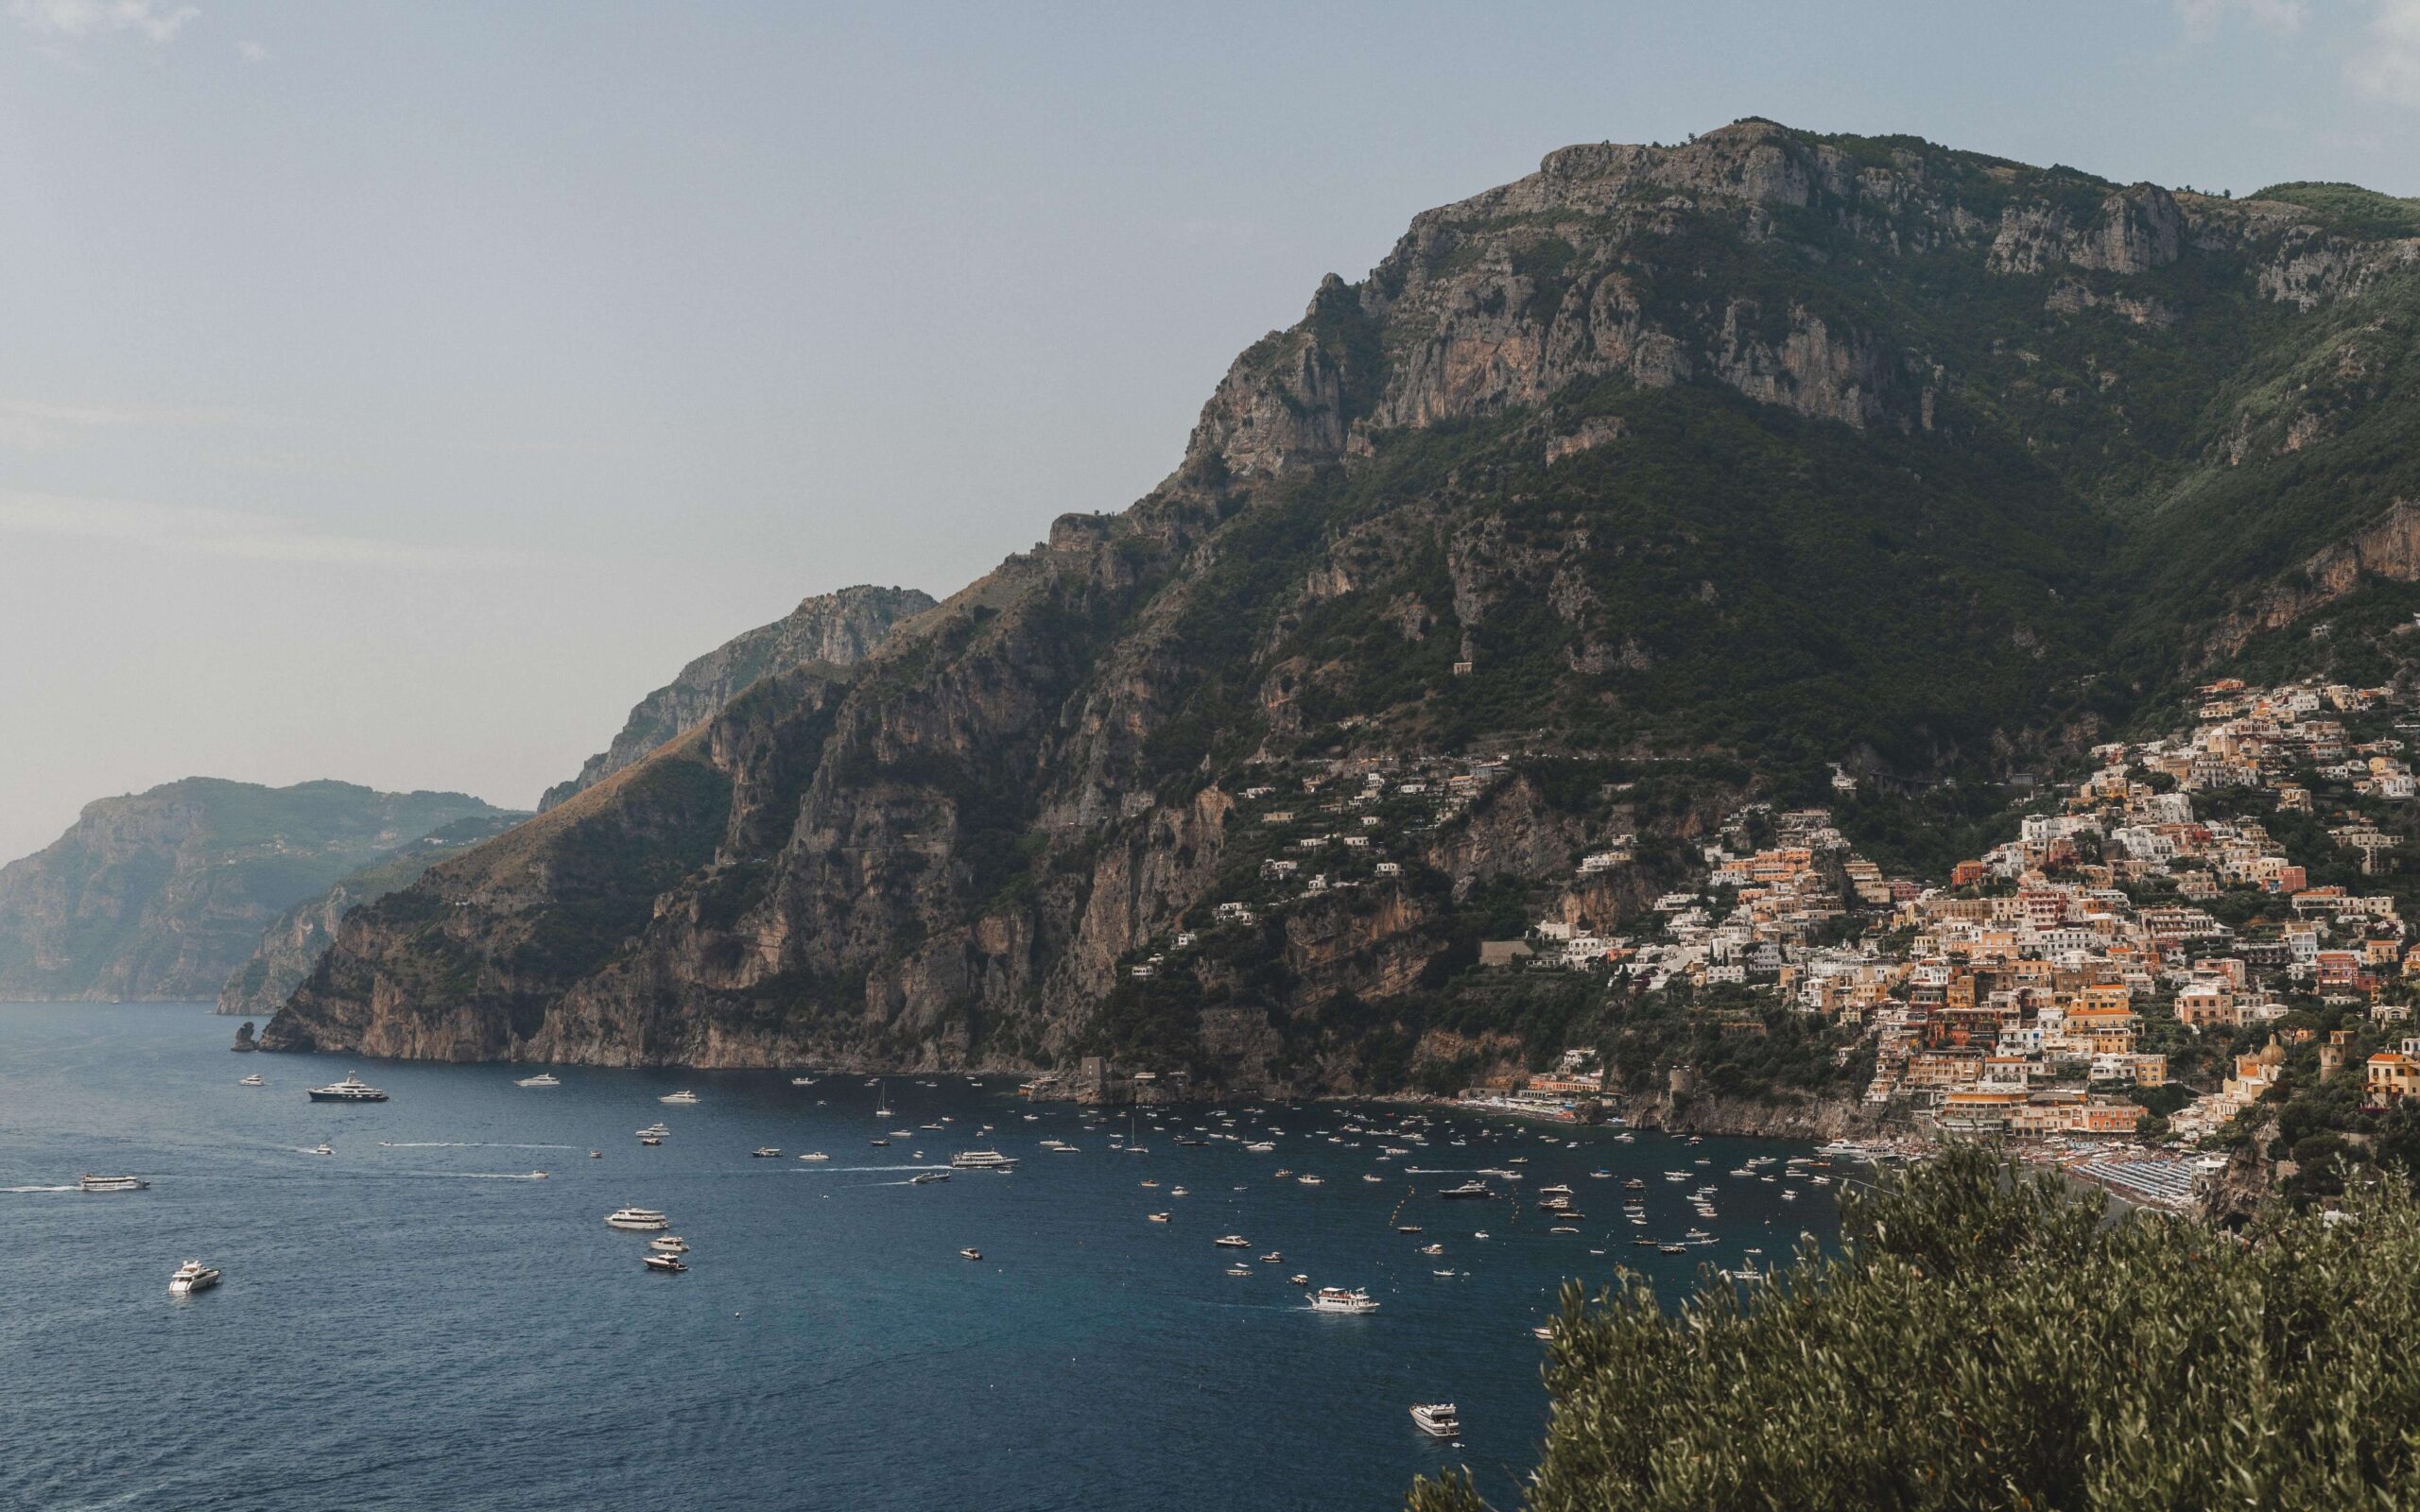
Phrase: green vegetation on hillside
{"type": "Point", "coordinates": [1989, 1339]}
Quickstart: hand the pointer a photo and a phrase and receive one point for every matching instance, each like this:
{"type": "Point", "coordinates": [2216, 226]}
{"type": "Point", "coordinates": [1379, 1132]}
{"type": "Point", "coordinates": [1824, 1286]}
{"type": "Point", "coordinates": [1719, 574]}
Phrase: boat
{"type": "Point", "coordinates": [252, 1080]}
{"type": "Point", "coordinates": [683, 1096]}
{"type": "Point", "coordinates": [1232, 1241]}
{"type": "Point", "coordinates": [659, 1128]}
{"type": "Point", "coordinates": [1467, 1191]}
{"type": "Point", "coordinates": [815, 1154]}
{"type": "Point", "coordinates": [1273, 1256]}
{"type": "Point", "coordinates": [1337, 1299]}
{"type": "Point", "coordinates": [1157, 1217]}
{"type": "Point", "coordinates": [1443, 1275]}
{"type": "Point", "coordinates": [878, 1144]}
{"type": "Point", "coordinates": [352, 1089]}
{"type": "Point", "coordinates": [651, 1139]}
{"type": "Point", "coordinates": [1309, 1181]}
{"type": "Point", "coordinates": [191, 1277]}
{"type": "Point", "coordinates": [1563, 1229]}
{"type": "Point", "coordinates": [669, 1264]}
{"type": "Point", "coordinates": [971, 1253]}
{"type": "Point", "coordinates": [1437, 1420]}
{"type": "Point", "coordinates": [542, 1079]}
{"type": "Point", "coordinates": [926, 1178]}
{"type": "Point", "coordinates": [1372, 1176]}
{"type": "Point", "coordinates": [1542, 1331]}
{"type": "Point", "coordinates": [111, 1184]}
{"type": "Point", "coordinates": [1239, 1270]}
{"type": "Point", "coordinates": [1432, 1250]}
{"type": "Point", "coordinates": [1407, 1227]}
{"type": "Point", "coordinates": [1673, 1250]}
{"type": "Point", "coordinates": [1479, 1234]}
{"type": "Point", "coordinates": [637, 1219]}
{"type": "Point", "coordinates": [323, 1148]}
{"type": "Point", "coordinates": [596, 1155]}
{"type": "Point", "coordinates": [668, 1245]}
{"type": "Point", "coordinates": [982, 1160]}
{"type": "Point", "coordinates": [1261, 1148]}
{"type": "Point", "coordinates": [765, 1152]}
{"type": "Point", "coordinates": [881, 1103]}
{"type": "Point", "coordinates": [801, 1081]}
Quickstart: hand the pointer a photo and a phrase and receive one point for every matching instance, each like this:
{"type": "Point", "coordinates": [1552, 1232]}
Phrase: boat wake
{"type": "Point", "coordinates": [69, 1188]}
{"type": "Point", "coordinates": [468, 1144]}
{"type": "Point", "coordinates": [860, 1170]}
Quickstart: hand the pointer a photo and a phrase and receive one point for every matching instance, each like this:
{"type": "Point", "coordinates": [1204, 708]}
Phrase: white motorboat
{"type": "Point", "coordinates": [639, 1219]}
{"type": "Point", "coordinates": [971, 1253]}
{"type": "Point", "coordinates": [542, 1079]}
{"type": "Point", "coordinates": [111, 1184]}
{"type": "Point", "coordinates": [926, 1178]}
{"type": "Point", "coordinates": [323, 1148]}
{"type": "Point", "coordinates": [1157, 1217]}
{"type": "Point", "coordinates": [1437, 1418]}
{"type": "Point", "coordinates": [191, 1277]}
{"type": "Point", "coordinates": [352, 1089]}
{"type": "Point", "coordinates": [668, 1245]}
{"type": "Point", "coordinates": [252, 1080]}
{"type": "Point", "coordinates": [815, 1154]}
{"type": "Point", "coordinates": [1337, 1299]}
{"type": "Point", "coordinates": [683, 1096]}
{"type": "Point", "coordinates": [1232, 1241]}
{"type": "Point", "coordinates": [765, 1152]}
{"type": "Point", "coordinates": [802, 1081]}
{"type": "Point", "coordinates": [983, 1161]}
{"type": "Point", "coordinates": [671, 1265]}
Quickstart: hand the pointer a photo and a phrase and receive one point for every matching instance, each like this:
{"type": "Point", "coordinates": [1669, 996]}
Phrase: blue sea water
{"type": "Point", "coordinates": [413, 1322]}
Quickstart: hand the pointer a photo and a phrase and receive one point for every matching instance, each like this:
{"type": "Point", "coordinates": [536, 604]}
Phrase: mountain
{"type": "Point", "coordinates": [160, 895]}
{"type": "Point", "coordinates": [1658, 479]}
{"type": "Point", "coordinates": [838, 629]}
{"type": "Point", "coordinates": [293, 943]}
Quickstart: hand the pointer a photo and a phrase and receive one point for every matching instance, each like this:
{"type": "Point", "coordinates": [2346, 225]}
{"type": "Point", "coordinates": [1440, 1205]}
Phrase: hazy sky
{"type": "Point", "coordinates": [395, 393]}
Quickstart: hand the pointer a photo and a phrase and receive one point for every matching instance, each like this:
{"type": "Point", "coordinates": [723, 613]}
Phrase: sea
{"type": "Point", "coordinates": [420, 1319]}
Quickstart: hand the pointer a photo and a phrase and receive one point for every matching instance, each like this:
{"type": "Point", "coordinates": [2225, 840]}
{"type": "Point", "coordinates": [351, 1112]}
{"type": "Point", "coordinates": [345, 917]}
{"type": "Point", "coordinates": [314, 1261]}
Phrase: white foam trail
{"type": "Point", "coordinates": [860, 1170]}
{"type": "Point", "coordinates": [469, 1144]}
{"type": "Point", "coordinates": [41, 1189]}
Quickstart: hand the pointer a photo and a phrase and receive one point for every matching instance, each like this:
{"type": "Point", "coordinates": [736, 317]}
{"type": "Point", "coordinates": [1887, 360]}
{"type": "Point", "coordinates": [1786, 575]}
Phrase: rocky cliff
{"type": "Point", "coordinates": [834, 629]}
{"type": "Point", "coordinates": [1659, 478]}
{"type": "Point", "coordinates": [295, 939]}
{"type": "Point", "coordinates": [160, 895]}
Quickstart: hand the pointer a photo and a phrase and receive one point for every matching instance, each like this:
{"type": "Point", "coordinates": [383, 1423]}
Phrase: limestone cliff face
{"type": "Point", "coordinates": [1665, 468]}
{"type": "Point", "coordinates": [160, 895]}
{"type": "Point", "coordinates": [838, 629]}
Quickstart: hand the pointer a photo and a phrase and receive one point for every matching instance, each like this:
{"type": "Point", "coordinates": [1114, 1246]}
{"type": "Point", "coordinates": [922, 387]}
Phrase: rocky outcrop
{"type": "Point", "coordinates": [1780, 1117]}
{"type": "Point", "coordinates": [2387, 550]}
{"type": "Point", "coordinates": [160, 895]}
{"type": "Point", "coordinates": [838, 629]}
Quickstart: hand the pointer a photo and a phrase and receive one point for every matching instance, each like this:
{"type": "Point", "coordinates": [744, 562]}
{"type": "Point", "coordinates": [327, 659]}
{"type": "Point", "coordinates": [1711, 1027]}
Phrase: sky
{"type": "Point", "coordinates": [396, 392]}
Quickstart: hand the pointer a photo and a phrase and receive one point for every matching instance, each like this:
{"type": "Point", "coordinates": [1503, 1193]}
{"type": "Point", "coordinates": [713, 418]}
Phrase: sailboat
{"type": "Point", "coordinates": [881, 1102]}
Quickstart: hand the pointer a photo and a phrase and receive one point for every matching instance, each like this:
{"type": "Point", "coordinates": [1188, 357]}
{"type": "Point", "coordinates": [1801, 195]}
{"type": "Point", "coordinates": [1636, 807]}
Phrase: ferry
{"type": "Point", "coordinates": [683, 1096]}
{"type": "Point", "coordinates": [1337, 1299]}
{"type": "Point", "coordinates": [542, 1079]}
{"type": "Point", "coordinates": [191, 1277]}
{"type": "Point", "coordinates": [352, 1089]}
{"type": "Point", "coordinates": [983, 1161]}
{"type": "Point", "coordinates": [638, 1219]}
{"type": "Point", "coordinates": [111, 1184]}
{"type": "Point", "coordinates": [669, 1264]}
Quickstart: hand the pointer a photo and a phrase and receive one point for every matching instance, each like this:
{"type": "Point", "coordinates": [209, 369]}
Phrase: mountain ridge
{"type": "Point", "coordinates": [1701, 471]}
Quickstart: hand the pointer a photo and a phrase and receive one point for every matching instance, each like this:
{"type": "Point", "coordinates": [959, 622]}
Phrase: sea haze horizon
{"type": "Point", "coordinates": [414, 1320]}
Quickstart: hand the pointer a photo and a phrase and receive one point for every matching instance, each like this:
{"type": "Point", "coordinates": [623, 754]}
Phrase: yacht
{"type": "Point", "coordinates": [1232, 1241]}
{"type": "Point", "coordinates": [1157, 1217]}
{"type": "Point", "coordinates": [671, 1265]}
{"type": "Point", "coordinates": [651, 1139]}
{"type": "Point", "coordinates": [1370, 1176]}
{"type": "Point", "coordinates": [668, 1245]}
{"type": "Point", "coordinates": [191, 1277]}
{"type": "Point", "coordinates": [765, 1152]}
{"type": "Point", "coordinates": [815, 1154]}
{"type": "Point", "coordinates": [983, 1161]}
{"type": "Point", "coordinates": [542, 1079]}
{"type": "Point", "coordinates": [111, 1184]}
{"type": "Point", "coordinates": [1239, 1270]}
{"type": "Point", "coordinates": [252, 1080]}
{"type": "Point", "coordinates": [638, 1219]}
{"type": "Point", "coordinates": [1466, 1190]}
{"type": "Point", "coordinates": [1274, 1256]}
{"type": "Point", "coordinates": [801, 1081]}
{"type": "Point", "coordinates": [1432, 1250]}
{"type": "Point", "coordinates": [683, 1096]}
{"type": "Point", "coordinates": [971, 1253]}
{"type": "Point", "coordinates": [1309, 1181]}
{"type": "Point", "coordinates": [659, 1128]}
{"type": "Point", "coordinates": [352, 1089]}
{"type": "Point", "coordinates": [1337, 1299]}
{"type": "Point", "coordinates": [1300, 1279]}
